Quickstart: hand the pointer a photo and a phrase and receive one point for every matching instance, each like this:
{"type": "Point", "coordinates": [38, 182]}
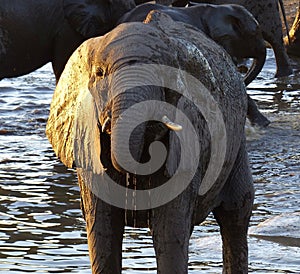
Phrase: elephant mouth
{"type": "Point", "coordinates": [140, 140]}
{"type": "Point", "coordinates": [155, 131]}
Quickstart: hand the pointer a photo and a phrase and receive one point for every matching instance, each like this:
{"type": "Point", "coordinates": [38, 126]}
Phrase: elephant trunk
{"type": "Point", "coordinates": [122, 126]}
{"type": "Point", "coordinates": [132, 109]}
{"type": "Point", "coordinates": [256, 67]}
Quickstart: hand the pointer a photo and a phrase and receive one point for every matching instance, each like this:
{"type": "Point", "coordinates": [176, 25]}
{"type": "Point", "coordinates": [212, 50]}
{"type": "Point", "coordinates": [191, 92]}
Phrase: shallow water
{"type": "Point", "coordinates": [41, 227]}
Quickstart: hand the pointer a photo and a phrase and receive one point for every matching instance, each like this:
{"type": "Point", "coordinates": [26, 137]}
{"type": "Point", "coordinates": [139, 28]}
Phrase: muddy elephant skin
{"type": "Point", "coordinates": [114, 115]}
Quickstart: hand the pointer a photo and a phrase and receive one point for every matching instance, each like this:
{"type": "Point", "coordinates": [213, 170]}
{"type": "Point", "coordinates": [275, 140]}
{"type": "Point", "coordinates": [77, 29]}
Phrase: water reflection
{"type": "Point", "coordinates": [41, 226]}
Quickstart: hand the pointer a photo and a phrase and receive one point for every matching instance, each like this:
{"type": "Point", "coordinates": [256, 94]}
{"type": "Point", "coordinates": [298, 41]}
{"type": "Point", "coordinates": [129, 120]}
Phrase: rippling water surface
{"type": "Point", "coordinates": [41, 227]}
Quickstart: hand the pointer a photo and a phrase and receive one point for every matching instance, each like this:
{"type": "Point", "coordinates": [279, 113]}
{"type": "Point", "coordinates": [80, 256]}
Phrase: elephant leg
{"type": "Point", "coordinates": [171, 229]}
{"type": "Point", "coordinates": [282, 60]}
{"type": "Point", "coordinates": [233, 215]}
{"type": "Point", "coordinates": [275, 38]}
{"type": "Point", "coordinates": [254, 115]}
{"type": "Point", "coordinates": [105, 228]}
{"type": "Point", "coordinates": [284, 67]}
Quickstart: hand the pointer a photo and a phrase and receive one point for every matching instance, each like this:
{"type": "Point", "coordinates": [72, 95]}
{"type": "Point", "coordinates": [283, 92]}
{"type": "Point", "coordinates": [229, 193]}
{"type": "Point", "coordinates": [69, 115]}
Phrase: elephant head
{"type": "Point", "coordinates": [233, 27]}
{"type": "Point", "coordinates": [115, 82]}
{"type": "Point", "coordinates": [113, 73]}
{"type": "Point", "coordinates": [105, 74]}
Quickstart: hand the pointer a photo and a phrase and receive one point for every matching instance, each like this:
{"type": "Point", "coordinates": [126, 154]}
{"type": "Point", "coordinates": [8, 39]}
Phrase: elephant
{"type": "Point", "coordinates": [231, 26]}
{"type": "Point", "coordinates": [152, 116]}
{"type": "Point", "coordinates": [267, 14]}
{"type": "Point", "coordinates": [33, 33]}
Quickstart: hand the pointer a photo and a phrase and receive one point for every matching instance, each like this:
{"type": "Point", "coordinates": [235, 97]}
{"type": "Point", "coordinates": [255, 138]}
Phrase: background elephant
{"type": "Point", "coordinates": [267, 14]}
{"type": "Point", "coordinates": [111, 105]}
{"type": "Point", "coordinates": [231, 26]}
{"type": "Point", "coordinates": [33, 33]}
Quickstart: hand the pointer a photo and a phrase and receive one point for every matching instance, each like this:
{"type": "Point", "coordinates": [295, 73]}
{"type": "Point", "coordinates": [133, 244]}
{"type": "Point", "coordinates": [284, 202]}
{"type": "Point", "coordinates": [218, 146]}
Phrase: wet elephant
{"type": "Point", "coordinates": [33, 33]}
{"type": "Point", "coordinates": [231, 26]}
{"type": "Point", "coordinates": [152, 115]}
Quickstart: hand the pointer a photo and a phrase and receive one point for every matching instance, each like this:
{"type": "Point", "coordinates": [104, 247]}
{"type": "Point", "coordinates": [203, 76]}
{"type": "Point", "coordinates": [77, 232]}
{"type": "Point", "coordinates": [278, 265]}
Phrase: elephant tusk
{"type": "Point", "coordinates": [106, 124]}
{"type": "Point", "coordinates": [171, 125]}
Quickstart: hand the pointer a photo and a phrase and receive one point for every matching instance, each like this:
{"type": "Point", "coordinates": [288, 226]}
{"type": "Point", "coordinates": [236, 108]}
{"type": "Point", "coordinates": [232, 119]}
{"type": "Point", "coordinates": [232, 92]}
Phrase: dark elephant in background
{"type": "Point", "coordinates": [231, 26]}
{"type": "Point", "coordinates": [33, 33]}
{"type": "Point", "coordinates": [267, 14]}
{"type": "Point", "coordinates": [146, 93]}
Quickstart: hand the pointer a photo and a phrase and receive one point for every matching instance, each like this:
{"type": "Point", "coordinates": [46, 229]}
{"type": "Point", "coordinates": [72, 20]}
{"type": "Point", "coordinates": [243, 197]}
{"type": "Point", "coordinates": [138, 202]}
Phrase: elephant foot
{"type": "Point", "coordinates": [284, 67]}
{"type": "Point", "coordinates": [260, 121]}
{"type": "Point", "coordinates": [284, 72]}
{"type": "Point", "coordinates": [255, 117]}
{"type": "Point", "coordinates": [292, 51]}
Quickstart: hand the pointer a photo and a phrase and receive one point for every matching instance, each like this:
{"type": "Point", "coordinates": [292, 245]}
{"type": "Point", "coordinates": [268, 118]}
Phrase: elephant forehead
{"type": "Point", "coordinates": [131, 39]}
{"type": "Point", "coordinates": [145, 42]}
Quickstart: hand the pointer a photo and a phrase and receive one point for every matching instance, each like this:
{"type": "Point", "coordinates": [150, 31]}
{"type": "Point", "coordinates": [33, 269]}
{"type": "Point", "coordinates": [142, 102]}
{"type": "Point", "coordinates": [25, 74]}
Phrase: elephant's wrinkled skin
{"type": "Point", "coordinates": [231, 26]}
{"type": "Point", "coordinates": [33, 33]}
{"type": "Point", "coordinates": [121, 63]}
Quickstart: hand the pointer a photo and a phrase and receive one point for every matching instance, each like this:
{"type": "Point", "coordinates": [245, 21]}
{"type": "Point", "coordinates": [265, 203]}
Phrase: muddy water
{"type": "Point", "coordinates": [41, 228]}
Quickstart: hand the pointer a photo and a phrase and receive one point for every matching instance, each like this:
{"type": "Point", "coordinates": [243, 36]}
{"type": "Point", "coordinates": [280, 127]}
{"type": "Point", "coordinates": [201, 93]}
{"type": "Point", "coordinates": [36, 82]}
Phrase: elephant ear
{"type": "Point", "coordinates": [87, 17]}
{"type": "Point", "coordinates": [72, 124]}
{"type": "Point", "coordinates": [93, 18]}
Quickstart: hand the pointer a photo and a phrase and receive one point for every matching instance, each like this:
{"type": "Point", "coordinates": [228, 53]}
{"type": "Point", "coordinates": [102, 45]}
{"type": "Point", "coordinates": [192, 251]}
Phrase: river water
{"type": "Point", "coordinates": [41, 226]}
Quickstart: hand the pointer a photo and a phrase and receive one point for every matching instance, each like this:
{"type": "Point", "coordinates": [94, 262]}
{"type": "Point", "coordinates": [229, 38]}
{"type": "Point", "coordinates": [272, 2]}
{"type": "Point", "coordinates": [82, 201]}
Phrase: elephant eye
{"type": "Point", "coordinates": [99, 72]}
